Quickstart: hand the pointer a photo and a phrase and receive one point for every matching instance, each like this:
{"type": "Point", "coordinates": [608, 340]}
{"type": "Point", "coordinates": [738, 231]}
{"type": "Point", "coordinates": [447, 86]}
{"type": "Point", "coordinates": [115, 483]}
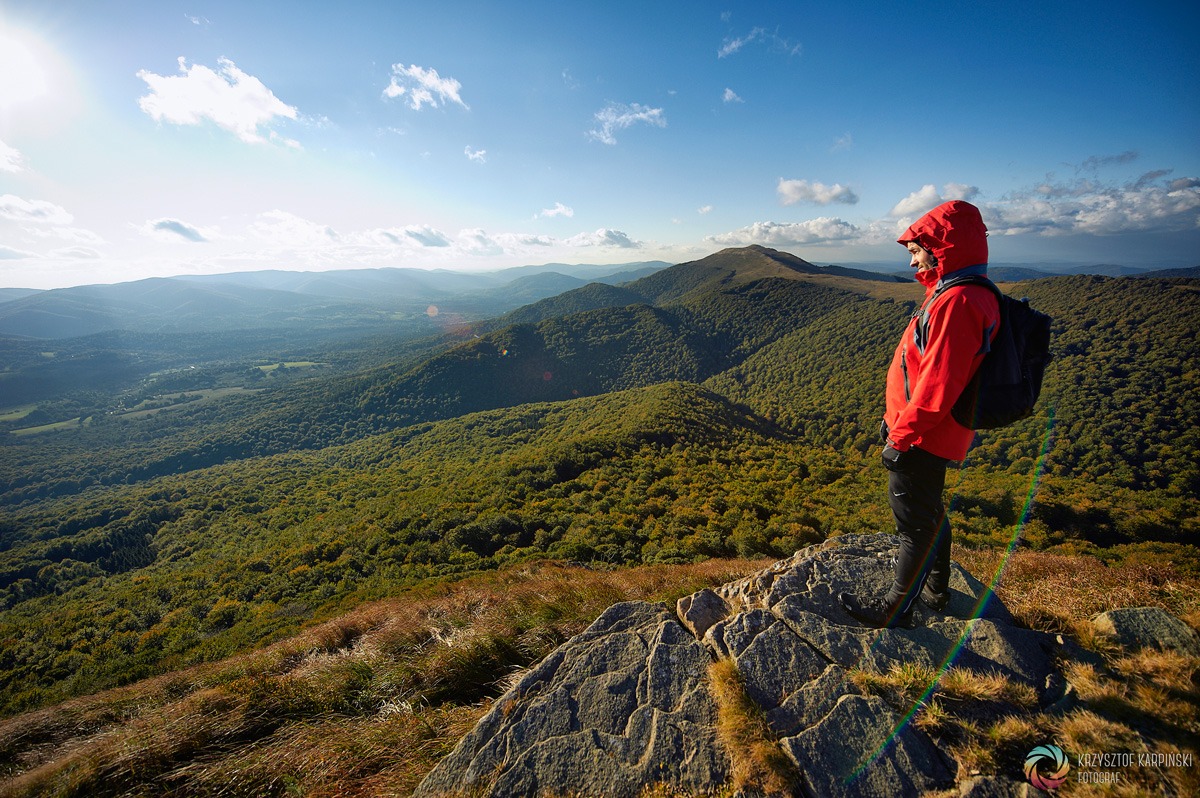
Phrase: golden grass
{"type": "Point", "coordinates": [362, 705]}
{"type": "Point", "coordinates": [1061, 593]}
{"type": "Point", "coordinates": [365, 704]}
{"type": "Point", "coordinates": [759, 765]}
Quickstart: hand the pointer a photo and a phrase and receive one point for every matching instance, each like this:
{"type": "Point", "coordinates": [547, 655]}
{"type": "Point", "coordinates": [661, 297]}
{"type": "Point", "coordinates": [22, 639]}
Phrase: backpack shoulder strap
{"type": "Point", "coordinates": [971, 275]}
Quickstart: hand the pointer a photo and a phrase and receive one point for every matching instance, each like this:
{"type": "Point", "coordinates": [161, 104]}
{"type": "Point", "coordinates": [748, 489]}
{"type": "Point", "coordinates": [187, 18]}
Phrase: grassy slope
{"type": "Point", "coordinates": [365, 704]}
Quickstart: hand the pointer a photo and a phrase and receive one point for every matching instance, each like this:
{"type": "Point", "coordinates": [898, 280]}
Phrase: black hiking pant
{"type": "Point", "coordinates": [915, 496]}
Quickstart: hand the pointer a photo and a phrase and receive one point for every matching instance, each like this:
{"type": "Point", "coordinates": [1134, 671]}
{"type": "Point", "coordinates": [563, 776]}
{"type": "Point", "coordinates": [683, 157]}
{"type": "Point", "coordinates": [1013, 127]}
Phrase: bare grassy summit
{"type": "Point", "coordinates": [763, 688]}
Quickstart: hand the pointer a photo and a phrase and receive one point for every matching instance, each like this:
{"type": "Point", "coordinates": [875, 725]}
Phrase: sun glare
{"type": "Point", "coordinates": [22, 77]}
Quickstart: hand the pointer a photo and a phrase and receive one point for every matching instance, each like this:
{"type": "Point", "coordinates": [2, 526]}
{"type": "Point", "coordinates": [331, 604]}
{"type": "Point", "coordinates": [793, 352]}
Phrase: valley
{"type": "Point", "coordinates": [722, 408]}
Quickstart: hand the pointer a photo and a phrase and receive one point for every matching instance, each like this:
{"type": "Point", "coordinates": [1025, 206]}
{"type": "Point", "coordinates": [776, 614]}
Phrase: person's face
{"type": "Point", "coordinates": [922, 259]}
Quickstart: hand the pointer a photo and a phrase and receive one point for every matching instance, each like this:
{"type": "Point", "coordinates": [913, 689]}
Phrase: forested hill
{"type": "Point", "coordinates": [723, 407]}
{"type": "Point", "coordinates": [688, 322]}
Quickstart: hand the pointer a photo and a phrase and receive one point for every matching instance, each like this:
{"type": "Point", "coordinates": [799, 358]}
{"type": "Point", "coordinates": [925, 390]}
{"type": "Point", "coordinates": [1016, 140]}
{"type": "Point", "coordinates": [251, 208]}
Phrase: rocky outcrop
{"type": "Point", "coordinates": [1148, 627]}
{"type": "Point", "coordinates": [626, 703]}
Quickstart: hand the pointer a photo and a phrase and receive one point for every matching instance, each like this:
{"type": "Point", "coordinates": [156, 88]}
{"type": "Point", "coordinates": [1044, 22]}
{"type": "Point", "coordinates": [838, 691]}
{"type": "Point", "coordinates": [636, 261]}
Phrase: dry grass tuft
{"type": "Point", "coordinates": [759, 764]}
{"type": "Point", "coordinates": [1060, 592]}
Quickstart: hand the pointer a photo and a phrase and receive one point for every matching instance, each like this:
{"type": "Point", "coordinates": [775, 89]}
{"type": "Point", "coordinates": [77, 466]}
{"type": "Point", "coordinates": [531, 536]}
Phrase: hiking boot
{"type": "Point", "coordinates": [934, 600]}
{"type": "Point", "coordinates": [876, 614]}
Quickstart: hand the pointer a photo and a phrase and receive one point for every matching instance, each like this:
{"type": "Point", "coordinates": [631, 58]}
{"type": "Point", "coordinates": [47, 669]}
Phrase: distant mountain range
{"type": "Point", "coordinates": [281, 299]}
{"type": "Point", "coordinates": [275, 299]}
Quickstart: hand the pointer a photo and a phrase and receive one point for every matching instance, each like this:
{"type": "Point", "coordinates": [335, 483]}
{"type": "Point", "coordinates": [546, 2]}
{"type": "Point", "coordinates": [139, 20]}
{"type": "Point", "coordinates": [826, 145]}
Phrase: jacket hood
{"type": "Point", "coordinates": [954, 232]}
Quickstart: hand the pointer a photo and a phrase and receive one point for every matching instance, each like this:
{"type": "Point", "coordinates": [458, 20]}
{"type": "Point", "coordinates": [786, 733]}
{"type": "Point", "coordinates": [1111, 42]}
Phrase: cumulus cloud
{"type": "Point", "coordinates": [558, 210]}
{"type": "Point", "coordinates": [928, 197]}
{"type": "Point", "coordinates": [730, 96]}
{"type": "Point", "coordinates": [39, 211]}
{"type": "Point", "coordinates": [1149, 203]}
{"type": "Point", "coordinates": [603, 237]}
{"type": "Point", "coordinates": [10, 158]}
{"type": "Point", "coordinates": [617, 116]}
{"type": "Point", "coordinates": [824, 230]}
{"type": "Point", "coordinates": [227, 96]}
{"type": "Point", "coordinates": [794, 191]}
{"type": "Point", "coordinates": [479, 156]}
{"type": "Point", "coordinates": [422, 87]}
{"type": "Point", "coordinates": [173, 230]}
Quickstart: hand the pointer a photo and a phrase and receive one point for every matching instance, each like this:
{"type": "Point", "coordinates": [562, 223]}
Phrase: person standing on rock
{"type": "Point", "coordinates": [932, 365]}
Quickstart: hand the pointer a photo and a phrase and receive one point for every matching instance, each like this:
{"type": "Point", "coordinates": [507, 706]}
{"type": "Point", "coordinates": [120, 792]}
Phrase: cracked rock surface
{"type": "Point", "coordinates": [626, 703]}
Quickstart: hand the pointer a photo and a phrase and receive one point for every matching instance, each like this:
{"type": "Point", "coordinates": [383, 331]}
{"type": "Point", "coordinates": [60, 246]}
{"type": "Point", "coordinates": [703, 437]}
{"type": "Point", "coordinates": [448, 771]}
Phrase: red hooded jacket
{"type": "Point", "coordinates": [926, 377]}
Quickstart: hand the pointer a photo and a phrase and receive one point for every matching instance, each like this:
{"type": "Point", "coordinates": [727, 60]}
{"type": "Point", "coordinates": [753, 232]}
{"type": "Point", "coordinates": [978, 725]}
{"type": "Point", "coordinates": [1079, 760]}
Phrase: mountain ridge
{"type": "Point", "coordinates": [193, 303]}
{"type": "Point", "coordinates": [226, 524]}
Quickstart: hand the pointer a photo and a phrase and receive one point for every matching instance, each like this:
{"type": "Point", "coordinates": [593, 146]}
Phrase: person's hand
{"type": "Point", "coordinates": [892, 459]}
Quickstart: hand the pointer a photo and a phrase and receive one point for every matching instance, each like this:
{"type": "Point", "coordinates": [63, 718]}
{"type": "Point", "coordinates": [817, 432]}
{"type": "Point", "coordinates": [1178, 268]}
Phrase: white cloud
{"type": "Point", "coordinates": [616, 116]}
{"type": "Point", "coordinates": [1150, 203]}
{"type": "Point", "coordinates": [704, 209]}
{"type": "Point", "coordinates": [423, 87]}
{"type": "Point", "coordinates": [40, 211]}
{"type": "Point", "coordinates": [731, 46]}
{"type": "Point", "coordinates": [10, 158]}
{"type": "Point", "coordinates": [794, 191]}
{"type": "Point", "coordinates": [603, 237]}
{"type": "Point", "coordinates": [8, 253]}
{"type": "Point", "coordinates": [479, 156]}
{"type": "Point", "coordinates": [730, 96]}
{"type": "Point", "coordinates": [843, 142]}
{"type": "Point", "coordinates": [228, 97]}
{"type": "Point", "coordinates": [290, 230]}
{"type": "Point", "coordinates": [424, 236]}
{"type": "Point", "coordinates": [771, 38]}
{"type": "Point", "coordinates": [814, 231]}
{"type": "Point", "coordinates": [558, 210]}
{"type": "Point", "coordinates": [959, 191]}
{"type": "Point", "coordinates": [917, 203]}
{"type": "Point", "coordinates": [173, 230]}
{"type": "Point", "coordinates": [927, 198]}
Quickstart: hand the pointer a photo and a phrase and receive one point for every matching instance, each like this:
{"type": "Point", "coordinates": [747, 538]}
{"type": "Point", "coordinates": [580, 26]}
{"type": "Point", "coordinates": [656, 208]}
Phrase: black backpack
{"type": "Point", "coordinates": [1009, 380]}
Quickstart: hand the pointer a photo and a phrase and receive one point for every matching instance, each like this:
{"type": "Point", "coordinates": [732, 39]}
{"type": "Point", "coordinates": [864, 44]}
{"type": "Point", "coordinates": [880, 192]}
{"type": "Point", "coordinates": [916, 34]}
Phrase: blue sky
{"type": "Point", "coordinates": [146, 139]}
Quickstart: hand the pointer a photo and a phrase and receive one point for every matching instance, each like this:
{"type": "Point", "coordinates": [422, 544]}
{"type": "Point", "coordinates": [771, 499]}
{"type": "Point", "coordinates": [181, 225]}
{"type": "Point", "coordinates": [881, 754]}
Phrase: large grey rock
{"type": "Point", "coordinates": [626, 703]}
{"type": "Point", "coordinates": [861, 747]}
{"type": "Point", "coordinates": [619, 706]}
{"type": "Point", "coordinates": [1148, 627]}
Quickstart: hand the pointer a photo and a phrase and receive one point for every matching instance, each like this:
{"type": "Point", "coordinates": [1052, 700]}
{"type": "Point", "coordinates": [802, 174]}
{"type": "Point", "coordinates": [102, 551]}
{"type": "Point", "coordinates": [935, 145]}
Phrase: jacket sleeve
{"type": "Point", "coordinates": [954, 350]}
